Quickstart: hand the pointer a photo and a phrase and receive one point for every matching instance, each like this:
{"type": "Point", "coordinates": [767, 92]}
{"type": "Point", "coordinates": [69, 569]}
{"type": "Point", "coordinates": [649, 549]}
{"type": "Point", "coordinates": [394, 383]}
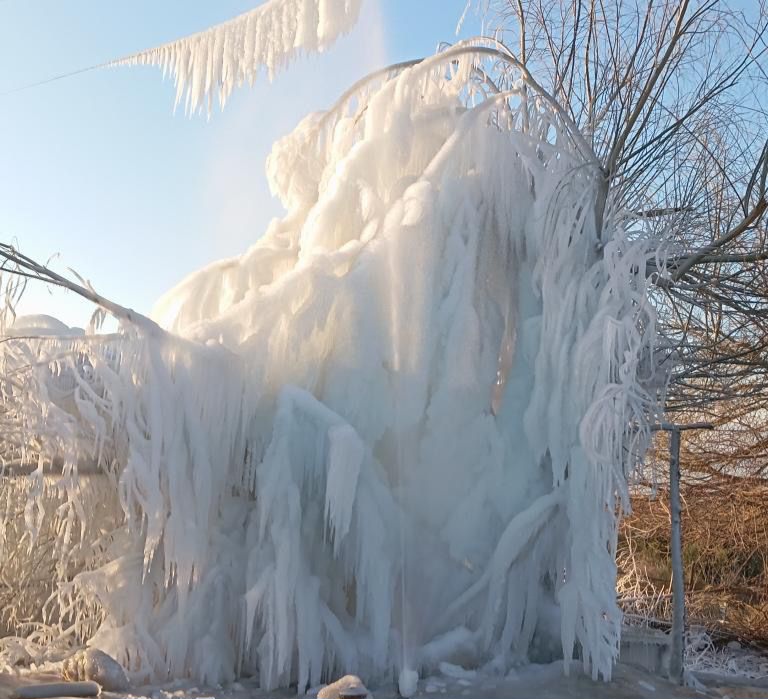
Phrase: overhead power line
{"type": "Point", "coordinates": [29, 86]}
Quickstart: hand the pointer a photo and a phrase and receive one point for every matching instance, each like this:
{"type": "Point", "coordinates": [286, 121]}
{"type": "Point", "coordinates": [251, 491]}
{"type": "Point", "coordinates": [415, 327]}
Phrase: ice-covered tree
{"type": "Point", "coordinates": [399, 429]}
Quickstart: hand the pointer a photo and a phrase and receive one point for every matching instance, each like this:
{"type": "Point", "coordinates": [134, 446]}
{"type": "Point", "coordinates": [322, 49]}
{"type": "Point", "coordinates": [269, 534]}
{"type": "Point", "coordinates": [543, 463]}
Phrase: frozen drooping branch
{"type": "Point", "coordinates": [19, 264]}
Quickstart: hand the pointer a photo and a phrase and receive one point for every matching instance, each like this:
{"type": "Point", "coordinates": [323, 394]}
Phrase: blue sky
{"type": "Point", "coordinates": [98, 170]}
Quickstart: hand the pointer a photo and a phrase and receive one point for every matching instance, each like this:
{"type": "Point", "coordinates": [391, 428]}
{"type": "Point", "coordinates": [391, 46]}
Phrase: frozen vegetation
{"type": "Point", "coordinates": [393, 435]}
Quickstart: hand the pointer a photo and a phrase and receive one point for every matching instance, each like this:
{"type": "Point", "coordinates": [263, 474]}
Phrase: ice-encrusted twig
{"type": "Point", "coordinates": [15, 262]}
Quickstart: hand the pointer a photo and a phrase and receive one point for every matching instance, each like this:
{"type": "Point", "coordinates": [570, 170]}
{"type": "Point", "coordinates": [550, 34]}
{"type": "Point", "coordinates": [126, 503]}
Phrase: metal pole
{"type": "Point", "coordinates": [676, 662]}
{"type": "Point", "coordinates": [676, 544]}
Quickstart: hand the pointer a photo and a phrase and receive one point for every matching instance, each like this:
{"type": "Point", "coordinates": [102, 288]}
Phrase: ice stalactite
{"type": "Point", "coordinates": [213, 62]}
{"type": "Point", "coordinates": [440, 341]}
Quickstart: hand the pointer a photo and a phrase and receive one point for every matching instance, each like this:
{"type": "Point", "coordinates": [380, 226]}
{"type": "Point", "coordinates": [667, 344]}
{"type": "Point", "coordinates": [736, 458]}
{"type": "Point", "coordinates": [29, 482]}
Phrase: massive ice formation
{"type": "Point", "coordinates": [395, 432]}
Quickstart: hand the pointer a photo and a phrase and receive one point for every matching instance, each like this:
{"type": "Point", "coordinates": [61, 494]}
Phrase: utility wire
{"type": "Point", "coordinates": [29, 86]}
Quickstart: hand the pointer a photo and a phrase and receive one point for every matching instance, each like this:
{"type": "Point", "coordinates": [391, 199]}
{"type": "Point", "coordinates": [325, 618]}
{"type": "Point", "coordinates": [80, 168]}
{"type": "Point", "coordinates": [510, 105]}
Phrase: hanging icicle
{"type": "Point", "coordinates": [215, 61]}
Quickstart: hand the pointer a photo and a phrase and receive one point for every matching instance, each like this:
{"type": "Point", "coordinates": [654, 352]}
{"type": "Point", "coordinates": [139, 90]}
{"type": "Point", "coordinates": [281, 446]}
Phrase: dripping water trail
{"type": "Point", "coordinates": [406, 683]}
{"type": "Point", "coordinates": [408, 678]}
{"type": "Point", "coordinates": [400, 457]}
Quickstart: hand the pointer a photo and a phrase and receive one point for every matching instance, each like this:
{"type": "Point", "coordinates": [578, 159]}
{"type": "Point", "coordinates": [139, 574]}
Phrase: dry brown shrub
{"type": "Point", "coordinates": [725, 555]}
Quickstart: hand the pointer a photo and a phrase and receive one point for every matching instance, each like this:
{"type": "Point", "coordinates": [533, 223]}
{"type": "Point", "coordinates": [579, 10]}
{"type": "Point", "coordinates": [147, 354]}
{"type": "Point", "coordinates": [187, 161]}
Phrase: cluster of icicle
{"type": "Point", "coordinates": [396, 431]}
{"type": "Point", "coordinates": [267, 38]}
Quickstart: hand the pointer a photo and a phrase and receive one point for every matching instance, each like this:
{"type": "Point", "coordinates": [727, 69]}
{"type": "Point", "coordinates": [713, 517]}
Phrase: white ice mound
{"type": "Point", "coordinates": [395, 432]}
{"type": "Point", "coordinates": [41, 325]}
{"type": "Point", "coordinates": [408, 682]}
{"type": "Point", "coordinates": [96, 666]}
{"type": "Point", "coordinates": [349, 686]}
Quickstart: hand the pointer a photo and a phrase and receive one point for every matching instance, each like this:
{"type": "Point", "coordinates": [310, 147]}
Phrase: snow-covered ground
{"type": "Point", "coordinates": [740, 676]}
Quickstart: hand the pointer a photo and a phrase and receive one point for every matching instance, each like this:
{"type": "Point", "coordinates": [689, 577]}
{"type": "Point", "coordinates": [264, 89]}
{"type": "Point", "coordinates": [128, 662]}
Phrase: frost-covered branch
{"type": "Point", "coordinates": [670, 95]}
{"type": "Point", "coordinates": [16, 263]}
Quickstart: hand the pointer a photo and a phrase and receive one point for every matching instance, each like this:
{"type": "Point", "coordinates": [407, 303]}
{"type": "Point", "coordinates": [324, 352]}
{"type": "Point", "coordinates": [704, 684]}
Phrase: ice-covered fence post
{"type": "Point", "coordinates": [676, 545]}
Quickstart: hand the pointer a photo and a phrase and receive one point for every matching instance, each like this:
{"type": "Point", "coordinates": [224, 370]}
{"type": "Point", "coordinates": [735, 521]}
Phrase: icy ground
{"type": "Point", "coordinates": [534, 681]}
{"type": "Point", "coordinates": [733, 663]}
